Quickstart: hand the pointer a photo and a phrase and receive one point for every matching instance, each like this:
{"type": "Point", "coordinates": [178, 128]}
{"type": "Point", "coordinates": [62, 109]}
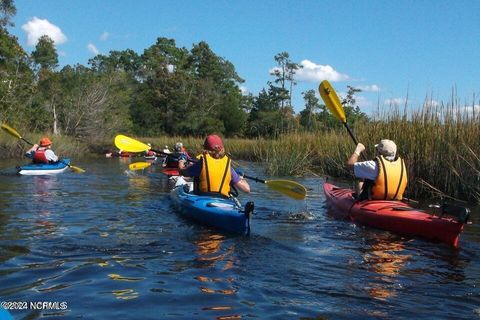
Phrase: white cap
{"type": "Point", "coordinates": [178, 146]}
{"type": "Point", "coordinates": [387, 148]}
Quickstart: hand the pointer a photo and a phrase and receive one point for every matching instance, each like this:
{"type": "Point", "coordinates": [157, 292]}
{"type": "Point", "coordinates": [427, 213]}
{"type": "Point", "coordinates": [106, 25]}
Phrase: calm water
{"type": "Point", "coordinates": [108, 244]}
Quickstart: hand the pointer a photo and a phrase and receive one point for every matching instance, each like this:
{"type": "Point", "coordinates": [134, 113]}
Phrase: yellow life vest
{"type": "Point", "coordinates": [215, 176]}
{"type": "Point", "coordinates": [391, 181]}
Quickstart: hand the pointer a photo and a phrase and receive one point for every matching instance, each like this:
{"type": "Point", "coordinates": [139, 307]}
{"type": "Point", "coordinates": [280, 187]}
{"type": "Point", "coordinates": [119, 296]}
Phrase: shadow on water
{"type": "Point", "coordinates": [108, 244]}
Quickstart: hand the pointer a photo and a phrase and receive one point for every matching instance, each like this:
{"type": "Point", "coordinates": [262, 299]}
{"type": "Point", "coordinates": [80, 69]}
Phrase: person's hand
{"type": "Point", "coordinates": [359, 149]}
{"type": "Point", "coordinates": [35, 146]}
{"type": "Point", "coordinates": [181, 163]}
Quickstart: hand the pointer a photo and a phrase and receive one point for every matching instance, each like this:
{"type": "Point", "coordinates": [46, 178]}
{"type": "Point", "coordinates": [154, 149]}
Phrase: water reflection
{"type": "Point", "coordinates": [44, 187]}
{"type": "Point", "coordinates": [47, 190]}
{"type": "Point", "coordinates": [385, 260]}
{"type": "Point", "coordinates": [213, 252]}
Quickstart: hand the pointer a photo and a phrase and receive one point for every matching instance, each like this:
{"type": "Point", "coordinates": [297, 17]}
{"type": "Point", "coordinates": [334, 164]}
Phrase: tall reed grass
{"type": "Point", "coordinates": [440, 144]}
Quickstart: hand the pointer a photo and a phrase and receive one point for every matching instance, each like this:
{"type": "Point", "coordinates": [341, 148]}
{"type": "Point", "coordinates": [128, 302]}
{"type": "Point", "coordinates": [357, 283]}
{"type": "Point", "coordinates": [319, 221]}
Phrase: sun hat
{"type": "Point", "coordinates": [45, 142]}
{"type": "Point", "coordinates": [387, 148]}
{"type": "Point", "coordinates": [213, 143]}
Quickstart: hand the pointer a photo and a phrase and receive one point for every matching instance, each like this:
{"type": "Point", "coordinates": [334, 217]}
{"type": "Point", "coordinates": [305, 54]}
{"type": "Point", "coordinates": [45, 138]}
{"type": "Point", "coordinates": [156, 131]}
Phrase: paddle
{"type": "Point", "coordinates": [289, 188]}
{"type": "Point", "coordinates": [332, 102]}
{"type": "Point", "coordinates": [17, 135]}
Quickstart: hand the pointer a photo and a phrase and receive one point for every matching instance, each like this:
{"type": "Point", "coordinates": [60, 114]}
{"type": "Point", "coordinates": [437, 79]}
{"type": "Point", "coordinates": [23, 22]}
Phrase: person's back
{"type": "Point", "coordinates": [385, 176]}
{"type": "Point", "coordinates": [42, 153]}
{"type": "Point", "coordinates": [213, 172]}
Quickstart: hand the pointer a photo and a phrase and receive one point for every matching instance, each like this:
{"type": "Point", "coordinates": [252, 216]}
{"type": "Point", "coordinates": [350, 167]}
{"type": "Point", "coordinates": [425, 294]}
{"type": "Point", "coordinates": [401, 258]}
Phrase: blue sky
{"type": "Point", "coordinates": [390, 49]}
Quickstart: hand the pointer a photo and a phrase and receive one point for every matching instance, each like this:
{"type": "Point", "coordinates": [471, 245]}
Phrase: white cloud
{"type": "Point", "coordinates": [104, 36]}
{"type": "Point", "coordinates": [244, 90]}
{"type": "Point", "coordinates": [395, 101]}
{"type": "Point", "coordinates": [369, 88]}
{"type": "Point", "coordinates": [312, 72]}
{"type": "Point", "coordinates": [362, 102]}
{"type": "Point", "coordinates": [36, 28]}
{"type": "Point", "coordinates": [91, 47]}
{"type": "Point", "coordinates": [171, 68]}
{"type": "Point", "coordinates": [475, 109]}
{"type": "Point", "coordinates": [431, 103]}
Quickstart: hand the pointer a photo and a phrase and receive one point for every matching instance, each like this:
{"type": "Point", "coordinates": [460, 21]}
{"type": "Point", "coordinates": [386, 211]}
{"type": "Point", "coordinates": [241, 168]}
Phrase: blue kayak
{"type": "Point", "coordinates": [34, 169]}
{"type": "Point", "coordinates": [224, 214]}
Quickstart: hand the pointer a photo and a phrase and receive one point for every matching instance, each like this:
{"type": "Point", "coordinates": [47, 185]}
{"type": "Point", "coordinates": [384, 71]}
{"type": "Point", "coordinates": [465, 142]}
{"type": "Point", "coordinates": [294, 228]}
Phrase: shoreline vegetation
{"type": "Point", "coordinates": [440, 145]}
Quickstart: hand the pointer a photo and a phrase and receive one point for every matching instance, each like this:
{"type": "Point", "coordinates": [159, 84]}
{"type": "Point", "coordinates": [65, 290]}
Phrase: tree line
{"type": "Point", "coordinates": [165, 90]}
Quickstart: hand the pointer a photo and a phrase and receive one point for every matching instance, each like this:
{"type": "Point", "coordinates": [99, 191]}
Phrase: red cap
{"type": "Point", "coordinates": [213, 143]}
{"type": "Point", "coordinates": [45, 142]}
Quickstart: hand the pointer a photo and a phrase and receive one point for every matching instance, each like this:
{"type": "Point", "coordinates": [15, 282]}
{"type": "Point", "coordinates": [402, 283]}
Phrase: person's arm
{"type": "Point", "coordinates": [243, 185]}
{"type": "Point", "coordinates": [192, 170]}
{"type": "Point", "coordinates": [239, 182]}
{"type": "Point", "coordinates": [354, 157]}
{"type": "Point", "coordinates": [182, 167]}
{"type": "Point", "coordinates": [51, 156]}
{"type": "Point", "coordinates": [30, 152]}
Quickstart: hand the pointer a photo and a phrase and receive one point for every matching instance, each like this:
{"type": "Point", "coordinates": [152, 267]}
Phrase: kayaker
{"type": "Point", "coordinates": [42, 153]}
{"type": "Point", "coordinates": [385, 177]}
{"type": "Point", "coordinates": [172, 159]}
{"type": "Point", "coordinates": [181, 149]}
{"type": "Point", "coordinates": [150, 153]}
{"type": "Point", "coordinates": [213, 173]}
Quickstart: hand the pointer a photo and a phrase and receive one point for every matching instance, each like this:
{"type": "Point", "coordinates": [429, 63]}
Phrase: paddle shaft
{"type": "Point", "coordinates": [27, 141]}
{"type": "Point", "coordinates": [254, 179]}
{"type": "Point", "coordinates": [350, 132]}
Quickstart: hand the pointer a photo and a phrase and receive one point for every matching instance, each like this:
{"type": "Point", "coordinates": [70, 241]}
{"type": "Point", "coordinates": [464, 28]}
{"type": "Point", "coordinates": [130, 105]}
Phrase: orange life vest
{"type": "Point", "coordinates": [391, 180]}
{"type": "Point", "coordinates": [215, 175]}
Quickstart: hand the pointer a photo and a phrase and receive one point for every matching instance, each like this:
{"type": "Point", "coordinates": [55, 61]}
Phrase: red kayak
{"type": "Point", "coordinates": [399, 217]}
{"type": "Point", "coordinates": [170, 172]}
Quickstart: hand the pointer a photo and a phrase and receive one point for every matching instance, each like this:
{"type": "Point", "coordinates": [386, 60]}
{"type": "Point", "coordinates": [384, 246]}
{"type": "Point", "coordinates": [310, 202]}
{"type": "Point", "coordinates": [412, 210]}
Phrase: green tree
{"type": "Point", "coordinates": [7, 11]}
{"type": "Point", "coordinates": [45, 55]}
{"type": "Point", "coordinates": [266, 118]}
{"type": "Point", "coordinates": [46, 59]}
{"type": "Point", "coordinates": [352, 110]}
{"type": "Point", "coordinates": [117, 61]}
{"type": "Point", "coordinates": [92, 105]}
{"type": "Point", "coordinates": [16, 80]}
{"type": "Point", "coordinates": [308, 116]}
{"type": "Point", "coordinates": [187, 92]}
{"type": "Point", "coordinates": [284, 73]}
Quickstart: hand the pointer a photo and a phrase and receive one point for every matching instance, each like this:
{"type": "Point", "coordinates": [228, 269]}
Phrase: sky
{"type": "Point", "coordinates": [392, 50]}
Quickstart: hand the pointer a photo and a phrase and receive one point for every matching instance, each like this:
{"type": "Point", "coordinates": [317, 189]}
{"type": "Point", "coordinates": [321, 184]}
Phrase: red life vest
{"type": "Point", "coordinates": [40, 157]}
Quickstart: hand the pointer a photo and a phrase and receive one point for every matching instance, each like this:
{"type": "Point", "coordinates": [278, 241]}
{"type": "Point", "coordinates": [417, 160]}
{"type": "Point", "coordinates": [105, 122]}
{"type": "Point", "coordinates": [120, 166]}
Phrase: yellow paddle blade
{"type": "Point", "coordinates": [11, 131]}
{"type": "Point", "coordinates": [331, 100]}
{"type": "Point", "coordinates": [139, 165]}
{"type": "Point", "coordinates": [128, 144]}
{"type": "Point", "coordinates": [76, 169]}
{"type": "Point", "coordinates": [290, 188]}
